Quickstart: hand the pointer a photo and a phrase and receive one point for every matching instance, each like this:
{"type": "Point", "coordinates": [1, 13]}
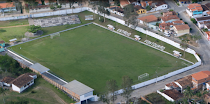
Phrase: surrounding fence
{"type": "Point", "coordinates": [177, 45]}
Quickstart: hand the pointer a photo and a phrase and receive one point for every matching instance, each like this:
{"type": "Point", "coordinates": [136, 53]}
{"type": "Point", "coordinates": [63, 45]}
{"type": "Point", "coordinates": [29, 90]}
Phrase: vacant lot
{"type": "Point", "coordinates": [93, 55]}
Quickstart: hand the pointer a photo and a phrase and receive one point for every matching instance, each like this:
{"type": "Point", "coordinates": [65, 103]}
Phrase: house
{"type": "Point", "coordinates": [7, 7]}
{"type": "Point", "coordinates": [140, 9]}
{"type": "Point", "coordinates": [165, 26]}
{"type": "Point", "coordinates": [207, 98]}
{"type": "Point", "coordinates": [144, 4]}
{"type": "Point", "coordinates": [38, 68]}
{"type": "Point", "coordinates": [201, 24]}
{"type": "Point", "coordinates": [49, 2]}
{"type": "Point", "coordinates": [116, 10]}
{"type": "Point", "coordinates": [179, 22]}
{"type": "Point", "coordinates": [181, 29]}
{"type": "Point", "coordinates": [169, 18]}
{"type": "Point", "coordinates": [7, 81]}
{"type": "Point", "coordinates": [78, 91]}
{"type": "Point", "coordinates": [184, 82]}
{"type": "Point", "coordinates": [169, 13]}
{"type": "Point", "coordinates": [171, 85]}
{"type": "Point", "coordinates": [207, 86]}
{"type": "Point", "coordinates": [207, 26]}
{"type": "Point", "coordinates": [150, 19]}
{"type": "Point", "coordinates": [23, 82]}
{"type": "Point", "coordinates": [194, 10]}
{"type": "Point", "coordinates": [124, 3]}
{"type": "Point", "coordinates": [202, 19]}
{"type": "Point", "coordinates": [160, 6]}
{"type": "Point", "coordinates": [2, 45]}
{"type": "Point", "coordinates": [171, 95]}
{"type": "Point", "coordinates": [200, 78]}
{"type": "Point", "coordinates": [184, 2]}
{"type": "Point", "coordinates": [207, 35]}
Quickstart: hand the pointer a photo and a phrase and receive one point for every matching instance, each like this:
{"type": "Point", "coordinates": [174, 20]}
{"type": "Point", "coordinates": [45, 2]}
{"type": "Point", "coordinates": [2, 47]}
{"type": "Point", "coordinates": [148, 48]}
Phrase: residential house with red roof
{"type": "Point", "coordinates": [194, 10]}
{"type": "Point", "coordinates": [23, 82]}
{"type": "Point", "coordinates": [160, 6]}
{"type": "Point", "coordinates": [149, 21]}
{"type": "Point", "coordinates": [7, 7]}
{"type": "Point", "coordinates": [181, 29]}
{"type": "Point", "coordinates": [207, 34]}
{"type": "Point", "coordinates": [124, 3]}
{"type": "Point", "coordinates": [169, 18]}
{"type": "Point", "coordinates": [200, 78]}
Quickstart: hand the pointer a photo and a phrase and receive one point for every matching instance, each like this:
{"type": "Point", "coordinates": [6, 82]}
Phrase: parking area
{"type": "Point", "coordinates": [57, 21]}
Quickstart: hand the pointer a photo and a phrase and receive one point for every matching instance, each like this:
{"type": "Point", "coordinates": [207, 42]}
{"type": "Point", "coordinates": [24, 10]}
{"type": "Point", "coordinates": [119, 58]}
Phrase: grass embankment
{"type": "Point", "coordinates": [41, 92]}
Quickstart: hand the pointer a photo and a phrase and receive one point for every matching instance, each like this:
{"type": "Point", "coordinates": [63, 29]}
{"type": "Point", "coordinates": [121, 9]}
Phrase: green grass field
{"type": "Point", "coordinates": [93, 55]}
{"type": "Point", "coordinates": [10, 33]}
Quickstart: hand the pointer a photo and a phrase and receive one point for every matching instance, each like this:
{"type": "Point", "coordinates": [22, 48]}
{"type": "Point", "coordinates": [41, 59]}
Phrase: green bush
{"type": "Point", "coordinates": [193, 20]}
{"type": "Point", "coordinates": [185, 22]}
{"type": "Point", "coordinates": [34, 28]}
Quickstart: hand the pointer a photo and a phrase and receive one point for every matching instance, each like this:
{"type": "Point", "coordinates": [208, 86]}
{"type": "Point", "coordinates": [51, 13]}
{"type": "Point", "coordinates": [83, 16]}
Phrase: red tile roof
{"type": "Point", "coordinates": [208, 33]}
{"type": "Point", "coordinates": [7, 5]}
{"type": "Point", "coordinates": [149, 18]}
{"type": "Point", "coordinates": [178, 22]}
{"type": "Point", "coordinates": [22, 80]}
{"type": "Point", "coordinates": [143, 4]}
{"type": "Point", "coordinates": [7, 80]}
{"type": "Point", "coordinates": [182, 27]}
{"type": "Point", "coordinates": [201, 75]}
{"type": "Point", "coordinates": [124, 2]}
{"type": "Point", "coordinates": [195, 7]}
{"type": "Point", "coordinates": [174, 94]}
{"type": "Point", "coordinates": [166, 18]}
{"type": "Point", "coordinates": [172, 84]}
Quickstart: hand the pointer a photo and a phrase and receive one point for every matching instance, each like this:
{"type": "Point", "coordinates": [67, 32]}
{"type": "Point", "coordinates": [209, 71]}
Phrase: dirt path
{"type": "Point", "coordinates": [57, 97]}
{"type": "Point", "coordinates": [13, 26]}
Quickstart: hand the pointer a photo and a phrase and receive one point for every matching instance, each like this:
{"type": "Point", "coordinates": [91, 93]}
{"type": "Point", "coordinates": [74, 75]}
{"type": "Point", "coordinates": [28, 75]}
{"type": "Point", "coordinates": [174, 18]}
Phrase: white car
{"type": "Point", "coordinates": [167, 35]}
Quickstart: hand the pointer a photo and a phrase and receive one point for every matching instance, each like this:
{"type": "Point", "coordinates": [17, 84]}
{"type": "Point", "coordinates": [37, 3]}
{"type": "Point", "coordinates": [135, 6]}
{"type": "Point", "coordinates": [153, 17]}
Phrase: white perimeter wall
{"type": "Point", "coordinates": [177, 45]}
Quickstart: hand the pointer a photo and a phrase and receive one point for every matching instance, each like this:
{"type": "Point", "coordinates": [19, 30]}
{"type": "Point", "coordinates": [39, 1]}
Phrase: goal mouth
{"type": "Point", "coordinates": [143, 76]}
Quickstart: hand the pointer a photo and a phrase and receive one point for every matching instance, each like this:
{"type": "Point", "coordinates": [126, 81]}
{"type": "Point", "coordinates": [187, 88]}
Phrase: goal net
{"type": "Point", "coordinates": [54, 34]}
{"type": "Point", "coordinates": [143, 76]}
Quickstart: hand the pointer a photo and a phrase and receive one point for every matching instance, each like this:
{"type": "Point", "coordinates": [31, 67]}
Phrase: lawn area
{"type": "Point", "coordinates": [93, 55]}
{"type": "Point", "coordinates": [156, 98]}
{"type": "Point", "coordinates": [42, 92]}
{"type": "Point", "coordinates": [14, 23]}
{"type": "Point", "coordinates": [10, 33]}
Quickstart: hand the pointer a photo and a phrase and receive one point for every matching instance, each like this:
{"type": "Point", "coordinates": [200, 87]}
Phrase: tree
{"type": "Point", "coordinates": [71, 3]}
{"type": "Point", "coordinates": [112, 87]}
{"type": "Point", "coordinates": [104, 98]}
{"type": "Point", "coordinates": [193, 20]}
{"type": "Point", "coordinates": [117, 2]}
{"type": "Point", "coordinates": [127, 82]}
{"type": "Point", "coordinates": [94, 8]}
{"type": "Point", "coordinates": [52, 7]}
{"type": "Point", "coordinates": [184, 45]}
{"type": "Point", "coordinates": [2, 91]}
{"type": "Point", "coordinates": [148, 8]}
{"type": "Point", "coordinates": [128, 13]}
{"type": "Point", "coordinates": [34, 28]}
{"type": "Point", "coordinates": [188, 93]}
{"type": "Point", "coordinates": [102, 8]}
{"type": "Point", "coordinates": [59, 6]}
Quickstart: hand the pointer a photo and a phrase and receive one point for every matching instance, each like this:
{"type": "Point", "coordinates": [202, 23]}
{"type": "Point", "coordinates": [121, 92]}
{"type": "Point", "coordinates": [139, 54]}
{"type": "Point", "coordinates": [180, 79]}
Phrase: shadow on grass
{"type": "Point", "coordinates": [2, 30]}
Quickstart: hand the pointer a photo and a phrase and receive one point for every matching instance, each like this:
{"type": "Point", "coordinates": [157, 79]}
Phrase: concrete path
{"type": "Point", "coordinates": [13, 26]}
{"type": "Point", "coordinates": [30, 21]}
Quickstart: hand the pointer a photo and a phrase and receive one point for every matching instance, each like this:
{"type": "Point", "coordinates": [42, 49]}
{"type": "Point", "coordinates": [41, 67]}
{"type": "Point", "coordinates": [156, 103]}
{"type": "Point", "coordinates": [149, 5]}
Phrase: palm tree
{"type": "Point", "coordinates": [2, 91]}
{"type": "Point", "coordinates": [184, 45]}
{"type": "Point", "coordinates": [188, 93]}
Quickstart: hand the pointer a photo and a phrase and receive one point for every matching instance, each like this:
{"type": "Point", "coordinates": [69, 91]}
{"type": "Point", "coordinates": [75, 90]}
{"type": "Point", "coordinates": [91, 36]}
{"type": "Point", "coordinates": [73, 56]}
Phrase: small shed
{"type": "Point", "coordinates": [12, 41]}
{"type": "Point", "coordinates": [110, 27]}
{"type": "Point", "coordinates": [2, 45]}
{"type": "Point", "coordinates": [177, 54]}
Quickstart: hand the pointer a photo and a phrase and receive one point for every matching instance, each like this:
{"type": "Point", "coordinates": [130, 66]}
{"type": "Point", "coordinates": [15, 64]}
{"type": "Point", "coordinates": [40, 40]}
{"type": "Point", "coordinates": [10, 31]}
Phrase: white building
{"type": "Point", "coordinates": [23, 82]}
{"type": "Point", "coordinates": [160, 6]}
{"type": "Point", "coordinates": [79, 91]}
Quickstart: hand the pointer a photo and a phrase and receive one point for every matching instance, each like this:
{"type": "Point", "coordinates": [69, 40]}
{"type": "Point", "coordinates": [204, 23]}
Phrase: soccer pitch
{"type": "Point", "coordinates": [93, 55]}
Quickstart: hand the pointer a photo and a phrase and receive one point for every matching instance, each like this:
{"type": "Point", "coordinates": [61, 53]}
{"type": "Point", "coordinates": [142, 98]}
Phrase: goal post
{"type": "Point", "coordinates": [54, 34]}
{"type": "Point", "coordinates": [143, 76]}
